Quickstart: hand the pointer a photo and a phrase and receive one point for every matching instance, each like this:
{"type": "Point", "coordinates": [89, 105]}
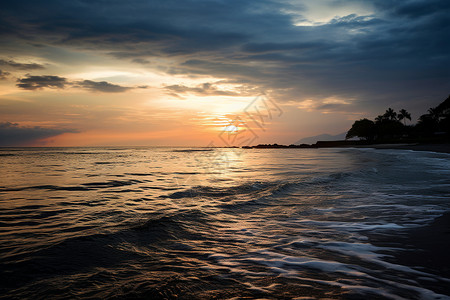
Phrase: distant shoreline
{"type": "Point", "coordinates": [440, 148]}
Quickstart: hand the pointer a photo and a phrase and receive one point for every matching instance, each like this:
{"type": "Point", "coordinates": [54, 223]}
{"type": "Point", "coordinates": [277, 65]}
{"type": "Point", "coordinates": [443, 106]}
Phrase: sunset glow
{"type": "Point", "coordinates": [224, 149]}
{"type": "Point", "coordinates": [154, 83]}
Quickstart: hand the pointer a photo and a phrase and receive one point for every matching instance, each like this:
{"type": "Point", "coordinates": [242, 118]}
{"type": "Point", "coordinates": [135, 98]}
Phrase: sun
{"type": "Point", "coordinates": [231, 129]}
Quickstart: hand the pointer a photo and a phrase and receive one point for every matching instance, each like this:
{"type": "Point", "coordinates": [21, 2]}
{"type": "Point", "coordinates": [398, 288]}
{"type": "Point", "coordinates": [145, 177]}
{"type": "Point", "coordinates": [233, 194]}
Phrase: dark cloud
{"type": "Point", "coordinates": [332, 107]}
{"type": "Point", "coordinates": [3, 74]}
{"type": "Point", "coordinates": [141, 61]}
{"type": "Point", "coordinates": [39, 82]}
{"type": "Point", "coordinates": [101, 86]}
{"type": "Point", "coordinates": [20, 66]}
{"type": "Point", "coordinates": [11, 134]}
{"type": "Point", "coordinates": [50, 81]}
{"type": "Point", "coordinates": [171, 27]}
{"type": "Point", "coordinates": [279, 47]}
{"type": "Point", "coordinates": [399, 50]}
{"type": "Point", "coordinates": [205, 89]}
{"type": "Point", "coordinates": [413, 9]}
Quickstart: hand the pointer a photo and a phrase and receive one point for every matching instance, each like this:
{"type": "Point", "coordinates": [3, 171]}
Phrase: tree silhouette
{"type": "Point", "coordinates": [363, 128]}
{"type": "Point", "coordinates": [433, 126]}
{"type": "Point", "coordinates": [403, 115]}
{"type": "Point", "coordinates": [379, 119]}
{"type": "Point", "coordinates": [426, 125]}
{"type": "Point", "coordinates": [390, 114]}
{"type": "Point", "coordinates": [434, 113]}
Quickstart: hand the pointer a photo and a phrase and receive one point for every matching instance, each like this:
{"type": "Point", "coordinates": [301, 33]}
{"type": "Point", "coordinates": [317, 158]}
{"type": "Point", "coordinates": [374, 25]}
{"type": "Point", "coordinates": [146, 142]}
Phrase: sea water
{"type": "Point", "coordinates": [205, 223]}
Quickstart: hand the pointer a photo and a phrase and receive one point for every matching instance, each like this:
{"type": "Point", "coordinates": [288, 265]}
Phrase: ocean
{"type": "Point", "coordinates": [223, 223]}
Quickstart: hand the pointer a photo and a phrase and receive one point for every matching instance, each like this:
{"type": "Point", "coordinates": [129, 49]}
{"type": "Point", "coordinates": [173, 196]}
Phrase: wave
{"type": "Point", "coordinates": [193, 150]}
{"type": "Point", "coordinates": [220, 192]}
{"type": "Point", "coordinates": [30, 152]}
{"type": "Point", "coordinates": [307, 224]}
{"type": "Point", "coordinates": [103, 249]}
{"type": "Point", "coordinates": [83, 187]}
{"type": "Point", "coordinates": [139, 174]}
{"type": "Point", "coordinates": [268, 187]}
{"type": "Point", "coordinates": [175, 220]}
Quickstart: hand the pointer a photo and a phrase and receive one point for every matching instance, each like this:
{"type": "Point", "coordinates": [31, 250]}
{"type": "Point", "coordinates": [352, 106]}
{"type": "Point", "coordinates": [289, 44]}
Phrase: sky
{"type": "Point", "coordinates": [214, 72]}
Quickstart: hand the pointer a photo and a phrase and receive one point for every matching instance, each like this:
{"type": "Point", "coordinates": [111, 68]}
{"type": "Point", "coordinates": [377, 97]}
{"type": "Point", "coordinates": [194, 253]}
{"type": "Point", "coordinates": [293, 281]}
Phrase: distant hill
{"type": "Point", "coordinates": [321, 137]}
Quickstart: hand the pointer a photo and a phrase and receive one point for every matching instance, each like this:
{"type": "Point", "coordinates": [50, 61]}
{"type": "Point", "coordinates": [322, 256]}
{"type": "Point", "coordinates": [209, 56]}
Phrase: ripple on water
{"type": "Point", "coordinates": [155, 223]}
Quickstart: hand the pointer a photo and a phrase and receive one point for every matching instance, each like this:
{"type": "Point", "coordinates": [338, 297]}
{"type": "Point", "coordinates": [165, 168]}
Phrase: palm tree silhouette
{"type": "Point", "coordinates": [379, 119]}
{"type": "Point", "coordinates": [390, 114]}
{"type": "Point", "coordinates": [434, 113]}
{"type": "Point", "coordinates": [403, 115]}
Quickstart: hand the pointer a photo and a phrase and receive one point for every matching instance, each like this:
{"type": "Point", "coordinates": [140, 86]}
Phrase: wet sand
{"type": "Point", "coordinates": [441, 148]}
{"type": "Point", "coordinates": [427, 249]}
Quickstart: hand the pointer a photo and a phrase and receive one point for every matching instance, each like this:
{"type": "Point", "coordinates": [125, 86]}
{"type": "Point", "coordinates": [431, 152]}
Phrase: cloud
{"type": "Point", "coordinates": [101, 86]}
{"type": "Point", "coordinates": [141, 61]}
{"type": "Point", "coordinates": [396, 49]}
{"type": "Point", "coordinates": [413, 9]}
{"type": "Point", "coordinates": [50, 81]}
{"type": "Point", "coordinates": [205, 89]}
{"type": "Point", "coordinates": [174, 28]}
{"type": "Point", "coordinates": [39, 82]}
{"type": "Point", "coordinates": [11, 134]}
{"type": "Point", "coordinates": [3, 75]}
{"type": "Point", "coordinates": [20, 66]}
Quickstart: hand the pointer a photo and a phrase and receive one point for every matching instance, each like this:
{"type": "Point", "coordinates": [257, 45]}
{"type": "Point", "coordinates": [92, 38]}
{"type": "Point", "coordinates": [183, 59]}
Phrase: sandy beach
{"type": "Point", "coordinates": [441, 148]}
{"type": "Point", "coordinates": [426, 249]}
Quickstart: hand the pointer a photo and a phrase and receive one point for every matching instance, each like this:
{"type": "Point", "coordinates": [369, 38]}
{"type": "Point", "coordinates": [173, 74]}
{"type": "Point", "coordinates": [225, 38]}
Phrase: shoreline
{"type": "Point", "coordinates": [423, 249]}
{"type": "Point", "coordinates": [443, 147]}
{"type": "Point", "coordinates": [439, 148]}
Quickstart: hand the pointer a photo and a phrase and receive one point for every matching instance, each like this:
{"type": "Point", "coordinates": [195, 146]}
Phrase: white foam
{"type": "Point", "coordinates": [383, 291]}
{"type": "Point", "coordinates": [288, 266]}
{"type": "Point", "coordinates": [278, 260]}
{"type": "Point", "coordinates": [367, 253]}
{"type": "Point", "coordinates": [350, 226]}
